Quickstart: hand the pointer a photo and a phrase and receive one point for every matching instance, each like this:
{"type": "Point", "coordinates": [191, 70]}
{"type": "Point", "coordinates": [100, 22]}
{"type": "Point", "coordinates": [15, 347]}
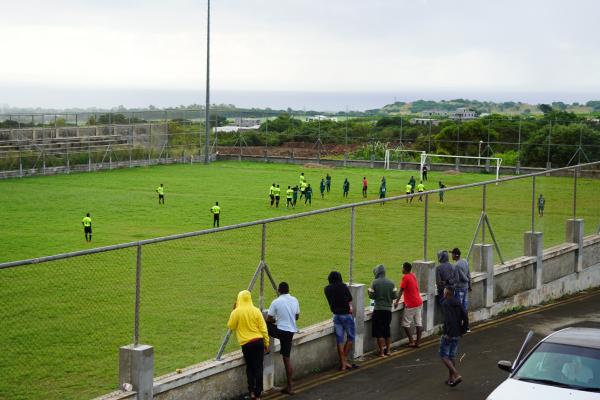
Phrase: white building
{"type": "Point", "coordinates": [321, 118]}
{"type": "Point", "coordinates": [463, 114]}
{"type": "Point", "coordinates": [425, 121]}
{"type": "Point", "coordinates": [246, 122]}
{"type": "Point", "coordinates": [434, 113]}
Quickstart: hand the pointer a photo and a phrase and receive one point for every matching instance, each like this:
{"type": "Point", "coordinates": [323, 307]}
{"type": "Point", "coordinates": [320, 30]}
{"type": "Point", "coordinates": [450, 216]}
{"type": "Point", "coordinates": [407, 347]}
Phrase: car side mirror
{"type": "Point", "coordinates": [505, 365]}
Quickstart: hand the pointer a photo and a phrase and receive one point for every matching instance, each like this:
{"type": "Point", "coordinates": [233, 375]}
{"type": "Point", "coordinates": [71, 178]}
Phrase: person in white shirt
{"type": "Point", "coordinates": [281, 323]}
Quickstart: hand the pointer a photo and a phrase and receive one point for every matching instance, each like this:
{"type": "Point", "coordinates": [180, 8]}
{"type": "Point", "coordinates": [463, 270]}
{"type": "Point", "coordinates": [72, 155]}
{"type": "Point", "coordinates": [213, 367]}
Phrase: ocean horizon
{"type": "Point", "coordinates": [60, 98]}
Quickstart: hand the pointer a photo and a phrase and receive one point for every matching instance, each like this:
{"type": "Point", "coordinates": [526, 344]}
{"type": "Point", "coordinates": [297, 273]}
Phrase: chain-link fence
{"type": "Point", "coordinates": [61, 143]}
{"type": "Point", "coordinates": [64, 317]}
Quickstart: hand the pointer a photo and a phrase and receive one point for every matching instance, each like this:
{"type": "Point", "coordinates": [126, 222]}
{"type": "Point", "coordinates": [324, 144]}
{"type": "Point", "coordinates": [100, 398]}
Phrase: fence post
{"type": "Point", "coordinates": [136, 361]}
{"type": "Point", "coordinates": [425, 226]}
{"type": "Point", "coordinates": [351, 263]}
{"type": "Point", "coordinates": [263, 247]}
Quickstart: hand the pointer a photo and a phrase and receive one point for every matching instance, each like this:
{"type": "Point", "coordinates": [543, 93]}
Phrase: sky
{"type": "Point", "coordinates": [67, 53]}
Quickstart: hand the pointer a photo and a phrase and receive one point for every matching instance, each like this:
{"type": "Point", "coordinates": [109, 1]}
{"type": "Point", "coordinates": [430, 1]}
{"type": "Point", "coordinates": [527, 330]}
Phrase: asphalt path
{"type": "Point", "coordinates": [419, 373]}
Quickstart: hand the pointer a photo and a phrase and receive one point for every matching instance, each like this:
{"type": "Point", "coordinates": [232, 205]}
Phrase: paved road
{"type": "Point", "coordinates": [419, 374]}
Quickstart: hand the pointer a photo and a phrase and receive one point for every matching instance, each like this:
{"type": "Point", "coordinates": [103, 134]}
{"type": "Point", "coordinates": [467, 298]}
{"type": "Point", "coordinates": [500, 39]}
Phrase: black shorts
{"type": "Point", "coordinates": [380, 324]}
{"type": "Point", "coordinates": [216, 217]}
{"type": "Point", "coordinates": [285, 338]}
{"type": "Point", "coordinates": [87, 229]}
{"type": "Point", "coordinates": [161, 196]}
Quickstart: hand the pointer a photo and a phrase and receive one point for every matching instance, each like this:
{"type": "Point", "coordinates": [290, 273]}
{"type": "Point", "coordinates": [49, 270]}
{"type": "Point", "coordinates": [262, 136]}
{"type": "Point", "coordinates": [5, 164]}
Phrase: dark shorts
{"type": "Point", "coordinates": [448, 347]}
{"type": "Point", "coordinates": [161, 196]}
{"type": "Point", "coordinates": [380, 323]}
{"type": "Point", "coordinates": [285, 338]}
{"type": "Point", "coordinates": [87, 229]}
{"type": "Point", "coordinates": [216, 217]}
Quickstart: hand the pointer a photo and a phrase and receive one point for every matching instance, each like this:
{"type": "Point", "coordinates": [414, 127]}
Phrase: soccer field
{"type": "Point", "coordinates": [64, 321]}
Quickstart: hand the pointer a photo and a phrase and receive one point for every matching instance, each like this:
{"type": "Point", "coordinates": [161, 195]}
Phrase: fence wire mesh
{"type": "Point", "coordinates": [63, 323]}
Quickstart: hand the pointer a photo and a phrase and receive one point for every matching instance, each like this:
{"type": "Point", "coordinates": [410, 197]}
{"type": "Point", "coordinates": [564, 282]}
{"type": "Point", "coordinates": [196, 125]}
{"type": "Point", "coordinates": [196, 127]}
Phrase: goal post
{"type": "Point", "coordinates": [397, 150]}
{"type": "Point", "coordinates": [424, 157]}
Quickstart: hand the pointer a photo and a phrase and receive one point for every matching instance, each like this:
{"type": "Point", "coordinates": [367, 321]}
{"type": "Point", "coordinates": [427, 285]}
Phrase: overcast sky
{"type": "Point", "coordinates": [406, 46]}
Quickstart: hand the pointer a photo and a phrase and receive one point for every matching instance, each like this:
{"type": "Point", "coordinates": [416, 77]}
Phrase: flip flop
{"type": "Point", "coordinates": [456, 382]}
{"type": "Point", "coordinates": [355, 366]}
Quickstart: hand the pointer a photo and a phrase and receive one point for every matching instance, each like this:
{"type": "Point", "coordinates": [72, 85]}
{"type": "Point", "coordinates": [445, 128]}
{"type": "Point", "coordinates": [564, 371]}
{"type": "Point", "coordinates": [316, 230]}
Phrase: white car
{"type": "Point", "coordinates": [564, 365]}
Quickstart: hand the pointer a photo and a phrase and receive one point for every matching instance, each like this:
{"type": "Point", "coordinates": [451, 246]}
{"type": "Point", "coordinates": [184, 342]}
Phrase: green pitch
{"type": "Point", "coordinates": [64, 321]}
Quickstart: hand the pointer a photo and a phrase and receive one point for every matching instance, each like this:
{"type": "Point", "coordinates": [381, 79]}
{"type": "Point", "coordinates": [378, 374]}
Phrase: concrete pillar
{"type": "Point", "coordinates": [372, 160]}
{"type": "Point", "coordinates": [483, 261]}
{"type": "Point", "coordinates": [534, 247]}
{"type": "Point", "coordinates": [357, 290]}
{"type": "Point", "coordinates": [269, 362]}
{"type": "Point", "coordinates": [136, 366]}
{"type": "Point", "coordinates": [518, 168]}
{"type": "Point", "coordinates": [345, 158]}
{"type": "Point", "coordinates": [575, 235]}
{"type": "Point", "coordinates": [457, 165]}
{"type": "Point", "coordinates": [487, 166]}
{"type": "Point", "coordinates": [425, 272]}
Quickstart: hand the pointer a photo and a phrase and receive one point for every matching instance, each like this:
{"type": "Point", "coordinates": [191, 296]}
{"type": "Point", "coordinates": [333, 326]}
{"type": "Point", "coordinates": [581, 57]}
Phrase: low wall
{"type": "Point", "coordinates": [513, 284]}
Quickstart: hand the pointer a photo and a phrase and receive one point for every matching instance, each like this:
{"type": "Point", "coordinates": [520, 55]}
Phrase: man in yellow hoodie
{"type": "Point", "coordinates": [251, 330]}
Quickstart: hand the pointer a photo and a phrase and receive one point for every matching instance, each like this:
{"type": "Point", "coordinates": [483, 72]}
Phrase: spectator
{"type": "Point", "coordinates": [445, 275]}
{"type": "Point", "coordinates": [281, 324]}
{"type": "Point", "coordinates": [424, 172]}
{"type": "Point", "coordinates": [251, 330]}
{"type": "Point", "coordinates": [382, 290]}
{"type": "Point", "coordinates": [413, 305]}
{"type": "Point", "coordinates": [463, 284]}
{"type": "Point", "coordinates": [340, 302]}
{"type": "Point", "coordinates": [455, 324]}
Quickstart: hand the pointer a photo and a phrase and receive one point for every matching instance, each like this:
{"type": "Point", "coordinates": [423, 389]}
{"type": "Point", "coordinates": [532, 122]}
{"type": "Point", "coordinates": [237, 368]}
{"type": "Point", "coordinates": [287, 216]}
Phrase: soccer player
{"type": "Point", "coordinates": [382, 190]}
{"type": "Point", "coordinates": [424, 172]}
{"type": "Point", "coordinates": [277, 196]}
{"type": "Point", "coordinates": [216, 212]}
{"type": "Point", "coordinates": [421, 189]}
{"type": "Point", "coordinates": [441, 192]}
{"type": "Point", "coordinates": [87, 227]}
{"type": "Point", "coordinates": [294, 196]}
{"type": "Point", "coordinates": [322, 188]}
{"type": "Point", "coordinates": [346, 187]}
{"type": "Point", "coordinates": [272, 194]}
{"type": "Point", "coordinates": [541, 204]}
{"type": "Point", "coordinates": [302, 178]}
{"type": "Point", "coordinates": [328, 182]}
{"type": "Point", "coordinates": [413, 183]}
{"type": "Point", "coordinates": [308, 195]}
{"type": "Point", "coordinates": [289, 194]}
{"type": "Point", "coordinates": [161, 194]}
{"type": "Point", "coordinates": [409, 190]}
{"type": "Point", "coordinates": [364, 190]}
{"type": "Point", "coordinates": [303, 187]}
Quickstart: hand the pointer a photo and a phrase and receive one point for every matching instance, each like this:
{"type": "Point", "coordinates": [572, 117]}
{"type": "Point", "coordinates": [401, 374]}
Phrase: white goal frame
{"type": "Point", "coordinates": [386, 160]}
{"type": "Point", "coordinates": [424, 156]}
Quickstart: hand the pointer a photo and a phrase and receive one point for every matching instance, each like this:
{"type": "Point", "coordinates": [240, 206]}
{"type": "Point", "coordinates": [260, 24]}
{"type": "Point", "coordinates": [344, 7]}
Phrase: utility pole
{"type": "Point", "coordinates": [207, 106]}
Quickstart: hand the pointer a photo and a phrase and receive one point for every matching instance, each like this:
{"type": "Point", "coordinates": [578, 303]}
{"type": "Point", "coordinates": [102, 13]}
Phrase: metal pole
{"type": "Point", "coordinates": [575, 193]}
{"type": "Point", "coordinates": [519, 144]}
{"type": "Point", "coordinates": [429, 138]}
{"type": "Point", "coordinates": [484, 212]}
{"type": "Point", "coordinates": [549, 138]}
{"type": "Point", "coordinates": [138, 277]}
{"type": "Point", "coordinates": [425, 225]}
{"type": "Point", "coordinates": [351, 264]}
{"type": "Point", "coordinates": [533, 205]}
{"type": "Point", "coordinates": [207, 106]}
{"type": "Point", "coordinates": [261, 295]}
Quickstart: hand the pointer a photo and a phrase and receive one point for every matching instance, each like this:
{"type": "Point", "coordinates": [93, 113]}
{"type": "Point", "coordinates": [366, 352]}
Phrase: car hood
{"type": "Point", "coordinates": [512, 389]}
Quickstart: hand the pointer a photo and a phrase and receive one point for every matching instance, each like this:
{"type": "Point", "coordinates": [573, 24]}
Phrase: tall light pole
{"type": "Point", "coordinates": [479, 153]}
{"type": "Point", "coordinates": [207, 106]}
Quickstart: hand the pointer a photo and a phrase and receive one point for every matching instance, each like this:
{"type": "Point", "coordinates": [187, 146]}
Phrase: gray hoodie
{"type": "Point", "coordinates": [383, 292]}
{"type": "Point", "coordinates": [445, 273]}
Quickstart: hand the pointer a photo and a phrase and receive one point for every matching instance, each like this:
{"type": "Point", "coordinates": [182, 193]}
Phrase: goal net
{"type": "Point", "coordinates": [427, 157]}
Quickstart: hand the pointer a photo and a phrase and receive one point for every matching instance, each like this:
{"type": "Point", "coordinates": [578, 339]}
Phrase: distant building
{"type": "Point", "coordinates": [463, 114]}
{"type": "Point", "coordinates": [246, 122]}
{"type": "Point", "coordinates": [425, 121]}
{"type": "Point", "coordinates": [321, 118]}
{"type": "Point", "coordinates": [434, 113]}
{"type": "Point", "coordinates": [235, 128]}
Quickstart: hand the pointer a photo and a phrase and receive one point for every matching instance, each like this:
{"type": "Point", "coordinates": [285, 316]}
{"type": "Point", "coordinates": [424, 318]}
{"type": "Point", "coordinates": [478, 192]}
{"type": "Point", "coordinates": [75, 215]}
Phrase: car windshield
{"type": "Point", "coordinates": [562, 365]}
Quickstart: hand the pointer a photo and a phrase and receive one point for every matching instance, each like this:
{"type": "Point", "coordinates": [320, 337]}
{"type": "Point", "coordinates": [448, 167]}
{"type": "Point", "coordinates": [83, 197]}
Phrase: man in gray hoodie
{"type": "Point", "coordinates": [463, 284]}
{"type": "Point", "coordinates": [445, 275]}
{"type": "Point", "coordinates": [382, 290]}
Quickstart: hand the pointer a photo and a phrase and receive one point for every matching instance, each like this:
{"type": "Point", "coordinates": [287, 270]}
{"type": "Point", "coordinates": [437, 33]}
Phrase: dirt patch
{"type": "Point", "coordinates": [452, 172]}
{"type": "Point", "coordinates": [315, 165]}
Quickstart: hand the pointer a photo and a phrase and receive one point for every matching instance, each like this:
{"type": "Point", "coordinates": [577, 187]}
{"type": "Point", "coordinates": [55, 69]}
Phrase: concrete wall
{"type": "Point", "coordinates": [513, 285]}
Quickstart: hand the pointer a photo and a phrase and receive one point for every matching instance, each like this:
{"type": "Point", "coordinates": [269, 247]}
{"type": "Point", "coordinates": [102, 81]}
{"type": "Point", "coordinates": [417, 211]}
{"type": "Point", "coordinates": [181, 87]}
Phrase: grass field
{"type": "Point", "coordinates": [64, 321]}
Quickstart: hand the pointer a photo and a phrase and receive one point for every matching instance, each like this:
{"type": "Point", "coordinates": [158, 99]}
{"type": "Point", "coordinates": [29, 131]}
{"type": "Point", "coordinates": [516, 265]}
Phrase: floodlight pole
{"type": "Point", "coordinates": [207, 106]}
